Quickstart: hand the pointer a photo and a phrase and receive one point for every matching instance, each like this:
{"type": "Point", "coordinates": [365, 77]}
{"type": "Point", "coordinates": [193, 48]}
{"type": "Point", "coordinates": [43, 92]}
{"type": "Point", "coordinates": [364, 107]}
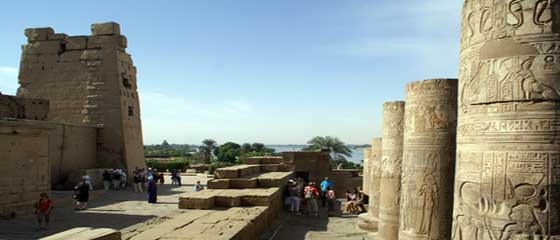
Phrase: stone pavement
{"type": "Point", "coordinates": [318, 228]}
{"type": "Point", "coordinates": [123, 210]}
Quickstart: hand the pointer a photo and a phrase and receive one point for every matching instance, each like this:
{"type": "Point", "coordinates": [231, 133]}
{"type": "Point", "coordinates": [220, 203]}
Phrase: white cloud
{"type": "Point", "coordinates": [8, 80]}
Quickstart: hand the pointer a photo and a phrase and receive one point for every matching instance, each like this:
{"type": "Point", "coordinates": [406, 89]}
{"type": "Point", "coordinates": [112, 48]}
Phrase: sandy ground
{"type": "Point", "coordinates": [124, 210]}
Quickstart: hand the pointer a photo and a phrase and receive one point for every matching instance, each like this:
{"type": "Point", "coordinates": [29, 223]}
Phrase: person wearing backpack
{"type": "Point", "coordinates": [311, 194]}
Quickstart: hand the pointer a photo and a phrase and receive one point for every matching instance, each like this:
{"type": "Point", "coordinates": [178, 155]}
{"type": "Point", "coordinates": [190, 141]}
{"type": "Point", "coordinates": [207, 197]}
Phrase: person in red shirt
{"type": "Point", "coordinates": [311, 194]}
{"type": "Point", "coordinates": [43, 209]}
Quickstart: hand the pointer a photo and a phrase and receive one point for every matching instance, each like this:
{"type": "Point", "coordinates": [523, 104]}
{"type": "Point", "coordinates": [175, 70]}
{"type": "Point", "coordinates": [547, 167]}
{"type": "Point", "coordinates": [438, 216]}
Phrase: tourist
{"type": "Point", "coordinates": [87, 180]}
{"type": "Point", "coordinates": [116, 179]}
{"type": "Point", "coordinates": [124, 178]}
{"type": "Point", "coordinates": [81, 195]}
{"type": "Point", "coordinates": [161, 176]}
{"type": "Point", "coordinates": [173, 176]}
{"type": "Point", "coordinates": [295, 198]}
{"type": "Point", "coordinates": [311, 194]}
{"type": "Point", "coordinates": [325, 184]}
{"type": "Point", "coordinates": [137, 181]}
{"type": "Point", "coordinates": [152, 190]}
{"type": "Point", "coordinates": [43, 209]}
{"type": "Point", "coordinates": [348, 195]}
{"type": "Point", "coordinates": [178, 176]}
{"type": "Point", "coordinates": [198, 187]}
{"type": "Point", "coordinates": [106, 180]}
{"type": "Point", "coordinates": [331, 199]}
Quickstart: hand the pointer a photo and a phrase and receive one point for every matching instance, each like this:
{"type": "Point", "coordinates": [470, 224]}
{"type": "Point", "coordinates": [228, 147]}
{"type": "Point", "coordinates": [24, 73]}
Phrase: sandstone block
{"type": "Point", "coordinates": [105, 41]}
{"type": "Point", "coordinates": [199, 200]}
{"type": "Point", "coordinates": [58, 36]}
{"type": "Point", "coordinates": [229, 199]}
{"type": "Point", "coordinates": [241, 183]}
{"type": "Point", "coordinates": [42, 47]}
{"type": "Point", "coordinates": [108, 28]}
{"type": "Point", "coordinates": [274, 179]}
{"type": "Point", "coordinates": [86, 234]}
{"type": "Point", "coordinates": [76, 42]}
{"type": "Point", "coordinates": [271, 168]}
{"type": "Point", "coordinates": [38, 34]}
{"type": "Point", "coordinates": [247, 170]}
{"type": "Point", "coordinates": [225, 173]}
{"type": "Point", "coordinates": [252, 160]}
{"type": "Point", "coordinates": [272, 160]}
{"type": "Point", "coordinates": [218, 184]}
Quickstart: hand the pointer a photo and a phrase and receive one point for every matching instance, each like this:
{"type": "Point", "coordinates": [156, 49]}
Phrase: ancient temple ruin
{"type": "Point", "coordinates": [77, 108]}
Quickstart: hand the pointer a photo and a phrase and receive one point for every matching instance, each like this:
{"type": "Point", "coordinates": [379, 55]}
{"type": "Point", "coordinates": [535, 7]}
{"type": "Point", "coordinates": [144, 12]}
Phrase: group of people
{"type": "Point", "coordinates": [356, 201]}
{"type": "Point", "coordinates": [297, 192]}
{"type": "Point", "coordinates": [115, 178]}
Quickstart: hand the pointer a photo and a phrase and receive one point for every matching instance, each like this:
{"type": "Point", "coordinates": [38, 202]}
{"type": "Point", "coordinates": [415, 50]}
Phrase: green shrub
{"type": "Point", "coordinates": [162, 165]}
{"type": "Point", "coordinates": [215, 165]}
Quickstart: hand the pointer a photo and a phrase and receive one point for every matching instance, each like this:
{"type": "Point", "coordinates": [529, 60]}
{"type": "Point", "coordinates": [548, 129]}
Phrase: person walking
{"type": "Point", "coordinates": [43, 209]}
{"type": "Point", "coordinates": [311, 194]}
{"type": "Point", "coordinates": [137, 182]}
{"type": "Point", "coordinates": [106, 180]}
{"type": "Point", "coordinates": [178, 177]}
{"type": "Point", "coordinates": [82, 195]}
{"type": "Point", "coordinates": [152, 190]}
{"type": "Point", "coordinates": [295, 199]}
{"type": "Point", "coordinates": [325, 184]}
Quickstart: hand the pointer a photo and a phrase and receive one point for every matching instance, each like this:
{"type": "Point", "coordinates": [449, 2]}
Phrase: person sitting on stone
{"type": "Point", "coordinates": [198, 187]}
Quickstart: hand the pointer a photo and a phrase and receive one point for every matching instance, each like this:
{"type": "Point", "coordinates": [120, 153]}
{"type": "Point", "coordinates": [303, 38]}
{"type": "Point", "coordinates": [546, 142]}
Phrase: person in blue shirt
{"type": "Point", "coordinates": [198, 187]}
{"type": "Point", "coordinates": [325, 184]}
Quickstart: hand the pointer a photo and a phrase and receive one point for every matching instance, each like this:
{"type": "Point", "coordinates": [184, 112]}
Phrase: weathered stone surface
{"type": "Point", "coordinates": [229, 198]}
{"type": "Point", "coordinates": [274, 179]}
{"type": "Point", "coordinates": [108, 28]}
{"type": "Point", "coordinates": [159, 230]}
{"type": "Point", "coordinates": [372, 162]}
{"type": "Point", "coordinates": [38, 34]}
{"type": "Point", "coordinates": [218, 184]}
{"type": "Point", "coordinates": [86, 234]}
{"type": "Point", "coordinates": [391, 160]}
{"type": "Point", "coordinates": [199, 200]}
{"type": "Point", "coordinates": [236, 171]}
{"type": "Point", "coordinates": [241, 183]}
{"type": "Point", "coordinates": [507, 184]}
{"type": "Point", "coordinates": [76, 43]}
{"type": "Point", "coordinates": [428, 159]}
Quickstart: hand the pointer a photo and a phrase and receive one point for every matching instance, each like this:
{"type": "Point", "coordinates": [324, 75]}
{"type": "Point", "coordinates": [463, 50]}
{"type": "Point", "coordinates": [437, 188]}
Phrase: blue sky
{"type": "Point", "coordinates": [276, 72]}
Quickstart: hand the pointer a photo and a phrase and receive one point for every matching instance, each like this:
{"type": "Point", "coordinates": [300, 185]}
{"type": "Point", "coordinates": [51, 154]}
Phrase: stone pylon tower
{"type": "Point", "coordinates": [428, 159]}
{"type": "Point", "coordinates": [88, 80]}
{"type": "Point", "coordinates": [507, 184]}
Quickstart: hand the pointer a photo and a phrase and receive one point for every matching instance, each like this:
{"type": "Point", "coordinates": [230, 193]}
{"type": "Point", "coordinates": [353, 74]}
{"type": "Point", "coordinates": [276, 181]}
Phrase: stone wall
{"type": "Point", "coordinates": [87, 80]}
{"type": "Point", "coordinates": [23, 108]}
{"type": "Point", "coordinates": [508, 149]}
{"type": "Point", "coordinates": [24, 166]}
{"type": "Point", "coordinates": [71, 147]}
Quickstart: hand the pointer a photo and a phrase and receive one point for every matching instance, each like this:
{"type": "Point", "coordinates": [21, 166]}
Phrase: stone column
{"type": "Point", "coordinates": [428, 160]}
{"type": "Point", "coordinates": [391, 158]}
{"type": "Point", "coordinates": [368, 221]}
{"type": "Point", "coordinates": [507, 184]}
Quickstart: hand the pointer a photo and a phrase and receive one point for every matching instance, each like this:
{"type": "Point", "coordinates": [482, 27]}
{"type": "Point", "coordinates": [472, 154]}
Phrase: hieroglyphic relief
{"type": "Point", "coordinates": [391, 159]}
{"type": "Point", "coordinates": [507, 185]}
{"type": "Point", "coordinates": [509, 51]}
{"type": "Point", "coordinates": [428, 159]}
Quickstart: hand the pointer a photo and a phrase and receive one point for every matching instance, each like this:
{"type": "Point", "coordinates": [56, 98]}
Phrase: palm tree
{"type": "Point", "coordinates": [336, 148]}
{"type": "Point", "coordinates": [207, 147]}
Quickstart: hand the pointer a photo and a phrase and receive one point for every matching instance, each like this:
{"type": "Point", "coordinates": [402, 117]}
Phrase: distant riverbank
{"type": "Point", "coordinates": [357, 154]}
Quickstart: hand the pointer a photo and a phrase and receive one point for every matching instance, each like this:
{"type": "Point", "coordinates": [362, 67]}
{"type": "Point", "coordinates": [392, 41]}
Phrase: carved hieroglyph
{"type": "Point", "coordinates": [507, 183]}
{"type": "Point", "coordinates": [374, 178]}
{"type": "Point", "coordinates": [391, 158]}
{"type": "Point", "coordinates": [428, 159]}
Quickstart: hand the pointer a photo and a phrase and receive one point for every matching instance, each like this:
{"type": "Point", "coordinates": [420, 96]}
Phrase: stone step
{"type": "Point", "coordinates": [235, 223]}
{"type": "Point", "coordinates": [260, 180]}
{"type": "Point", "coordinates": [86, 233]}
{"type": "Point", "coordinates": [238, 171]}
{"type": "Point", "coordinates": [176, 222]}
{"type": "Point", "coordinates": [214, 198]}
